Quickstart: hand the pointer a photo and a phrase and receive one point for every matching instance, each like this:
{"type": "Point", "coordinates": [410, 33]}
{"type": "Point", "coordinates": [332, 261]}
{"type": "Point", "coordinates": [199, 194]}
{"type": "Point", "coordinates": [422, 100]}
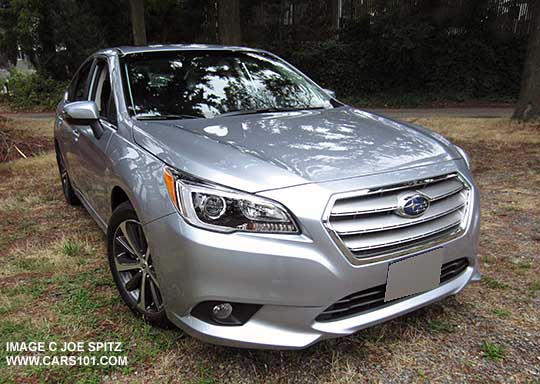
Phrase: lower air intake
{"type": "Point", "coordinates": [373, 298]}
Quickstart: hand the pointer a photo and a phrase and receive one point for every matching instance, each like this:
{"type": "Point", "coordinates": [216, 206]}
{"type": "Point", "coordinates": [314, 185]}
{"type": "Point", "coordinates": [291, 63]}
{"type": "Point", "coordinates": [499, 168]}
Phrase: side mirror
{"type": "Point", "coordinates": [330, 93]}
{"type": "Point", "coordinates": [85, 113]}
{"type": "Point", "coordinates": [82, 110]}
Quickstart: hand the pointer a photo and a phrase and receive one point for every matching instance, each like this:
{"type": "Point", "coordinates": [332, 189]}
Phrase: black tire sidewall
{"type": "Point", "coordinates": [125, 211]}
{"type": "Point", "coordinates": [69, 193]}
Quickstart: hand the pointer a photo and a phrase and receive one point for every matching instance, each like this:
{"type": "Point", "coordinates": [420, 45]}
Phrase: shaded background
{"type": "Point", "coordinates": [371, 52]}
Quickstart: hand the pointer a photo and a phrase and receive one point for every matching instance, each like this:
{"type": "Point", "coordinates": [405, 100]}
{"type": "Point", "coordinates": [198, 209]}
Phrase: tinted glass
{"type": "Point", "coordinates": [78, 89]}
{"type": "Point", "coordinates": [102, 92]}
{"type": "Point", "coordinates": [207, 84]}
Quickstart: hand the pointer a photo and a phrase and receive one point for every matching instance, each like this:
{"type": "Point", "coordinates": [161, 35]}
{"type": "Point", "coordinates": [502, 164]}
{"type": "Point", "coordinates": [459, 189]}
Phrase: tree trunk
{"type": "Point", "coordinates": [229, 22]}
{"type": "Point", "coordinates": [528, 107]}
{"type": "Point", "coordinates": [335, 14]}
{"type": "Point", "coordinates": [137, 22]}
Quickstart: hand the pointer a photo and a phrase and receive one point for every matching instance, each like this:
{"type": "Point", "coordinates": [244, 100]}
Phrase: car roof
{"type": "Point", "coordinates": [130, 49]}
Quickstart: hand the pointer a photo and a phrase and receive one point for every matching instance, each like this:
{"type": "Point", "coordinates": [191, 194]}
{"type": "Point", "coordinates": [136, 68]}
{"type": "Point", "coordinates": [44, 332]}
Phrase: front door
{"type": "Point", "coordinates": [69, 131]}
{"type": "Point", "coordinates": [94, 163]}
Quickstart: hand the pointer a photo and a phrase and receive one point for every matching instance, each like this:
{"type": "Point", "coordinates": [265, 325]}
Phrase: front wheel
{"type": "Point", "coordinates": [133, 268]}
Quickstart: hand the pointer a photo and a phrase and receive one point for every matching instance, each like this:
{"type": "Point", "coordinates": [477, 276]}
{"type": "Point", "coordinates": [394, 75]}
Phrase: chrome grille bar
{"type": "Point", "coordinates": [367, 225]}
{"type": "Point", "coordinates": [371, 203]}
{"type": "Point", "coordinates": [354, 225]}
{"type": "Point", "coordinates": [395, 237]}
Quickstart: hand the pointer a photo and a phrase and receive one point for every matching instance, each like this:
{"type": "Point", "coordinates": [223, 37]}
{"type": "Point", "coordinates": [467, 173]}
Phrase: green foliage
{"type": "Point", "coordinates": [493, 283]}
{"type": "Point", "coordinates": [400, 54]}
{"type": "Point", "coordinates": [56, 35]}
{"type": "Point", "coordinates": [410, 61]}
{"type": "Point", "coordinates": [33, 89]}
{"type": "Point", "coordinates": [173, 21]}
{"type": "Point", "coordinates": [492, 351]}
{"type": "Point", "coordinates": [72, 247]}
{"type": "Point", "coordinates": [437, 326]}
{"type": "Point", "coordinates": [503, 313]}
{"type": "Point", "coordinates": [3, 79]}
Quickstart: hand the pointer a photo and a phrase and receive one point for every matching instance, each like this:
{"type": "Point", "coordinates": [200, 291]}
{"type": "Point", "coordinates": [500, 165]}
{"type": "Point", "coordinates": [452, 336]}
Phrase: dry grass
{"type": "Point", "coordinates": [23, 137]}
{"type": "Point", "coordinates": [42, 127]}
{"type": "Point", "coordinates": [498, 130]}
{"type": "Point", "coordinates": [54, 284]}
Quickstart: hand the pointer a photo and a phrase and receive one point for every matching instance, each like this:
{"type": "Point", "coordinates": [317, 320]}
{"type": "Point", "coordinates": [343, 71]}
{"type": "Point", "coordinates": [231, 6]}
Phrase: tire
{"type": "Point", "coordinates": [132, 266]}
{"type": "Point", "coordinates": [67, 188]}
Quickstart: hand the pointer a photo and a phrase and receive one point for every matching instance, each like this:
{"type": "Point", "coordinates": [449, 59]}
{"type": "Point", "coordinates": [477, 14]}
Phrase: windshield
{"type": "Point", "coordinates": [186, 84]}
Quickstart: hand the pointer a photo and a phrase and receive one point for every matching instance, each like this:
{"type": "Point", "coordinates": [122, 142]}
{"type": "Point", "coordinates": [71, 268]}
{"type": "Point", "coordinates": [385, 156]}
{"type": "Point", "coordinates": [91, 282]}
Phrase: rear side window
{"type": "Point", "coordinates": [79, 85]}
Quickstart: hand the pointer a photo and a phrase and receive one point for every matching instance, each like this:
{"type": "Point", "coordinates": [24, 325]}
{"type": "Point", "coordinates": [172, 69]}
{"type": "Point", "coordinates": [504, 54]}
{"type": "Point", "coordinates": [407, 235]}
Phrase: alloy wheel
{"type": "Point", "coordinates": [135, 268]}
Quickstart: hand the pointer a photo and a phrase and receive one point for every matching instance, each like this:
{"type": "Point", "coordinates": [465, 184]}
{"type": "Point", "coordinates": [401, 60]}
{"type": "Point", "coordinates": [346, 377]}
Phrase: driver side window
{"type": "Point", "coordinates": [77, 89]}
{"type": "Point", "coordinates": [102, 93]}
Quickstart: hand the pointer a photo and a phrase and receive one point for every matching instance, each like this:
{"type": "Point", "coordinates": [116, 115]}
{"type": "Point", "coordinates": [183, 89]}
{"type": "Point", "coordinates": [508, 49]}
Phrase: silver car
{"type": "Point", "coordinates": [246, 205]}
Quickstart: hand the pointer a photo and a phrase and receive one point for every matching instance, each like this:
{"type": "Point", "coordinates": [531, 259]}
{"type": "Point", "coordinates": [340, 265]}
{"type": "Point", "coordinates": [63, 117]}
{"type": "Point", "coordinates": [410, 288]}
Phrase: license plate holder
{"type": "Point", "coordinates": [415, 274]}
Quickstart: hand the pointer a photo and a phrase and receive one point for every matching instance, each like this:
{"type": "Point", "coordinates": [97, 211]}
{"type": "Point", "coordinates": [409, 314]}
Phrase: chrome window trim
{"type": "Point", "coordinates": [356, 261]}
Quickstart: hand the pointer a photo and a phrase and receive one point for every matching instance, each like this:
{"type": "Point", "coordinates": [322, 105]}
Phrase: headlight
{"type": "Point", "coordinates": [463, 154]}
{"type": "Point", "coordinates": [219, 209]}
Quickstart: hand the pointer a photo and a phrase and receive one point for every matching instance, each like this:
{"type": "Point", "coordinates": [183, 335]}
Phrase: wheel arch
{"type": "Point", "coordinates": [118, 196]}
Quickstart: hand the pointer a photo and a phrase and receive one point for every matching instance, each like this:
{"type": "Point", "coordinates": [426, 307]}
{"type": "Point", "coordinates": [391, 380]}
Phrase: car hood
{"type": "Point", "coordinates": [276, 150]}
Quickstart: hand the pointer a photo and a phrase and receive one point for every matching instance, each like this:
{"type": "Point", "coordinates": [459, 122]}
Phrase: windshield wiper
{"type": "Point", "coordinates": [166, 117]}
{"type": "Point", "coordinates": [267, 110]}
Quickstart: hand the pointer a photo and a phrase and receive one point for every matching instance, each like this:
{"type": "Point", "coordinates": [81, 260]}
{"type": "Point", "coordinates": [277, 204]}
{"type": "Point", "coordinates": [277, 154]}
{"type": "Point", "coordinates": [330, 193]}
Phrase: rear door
{"type": "Point", "coordinates": [69, 132]}
{"type": "Point", "coordinates": [94, 163]}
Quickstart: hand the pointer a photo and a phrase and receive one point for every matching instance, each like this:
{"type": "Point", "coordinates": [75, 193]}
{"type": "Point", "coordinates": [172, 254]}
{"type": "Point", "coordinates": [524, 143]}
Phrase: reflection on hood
{"type": "Point", "coordinates": [315, 146]}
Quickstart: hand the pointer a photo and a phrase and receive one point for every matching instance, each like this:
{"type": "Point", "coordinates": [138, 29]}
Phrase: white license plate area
{"type": "Point", "coordinates": [415, 274]}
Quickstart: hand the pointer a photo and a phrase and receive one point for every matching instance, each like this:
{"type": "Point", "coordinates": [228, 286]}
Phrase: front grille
{"type": "Point", "coordinates": [373, 298]}
{"type": "Point", "coordinates": [368, 226]}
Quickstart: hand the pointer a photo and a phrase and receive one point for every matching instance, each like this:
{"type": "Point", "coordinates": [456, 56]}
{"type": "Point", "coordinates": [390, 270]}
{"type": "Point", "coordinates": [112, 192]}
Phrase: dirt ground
{"type": "Point", "coordinates": [55, 286]}
{"type": "Point", "coordinates": [21, 138]}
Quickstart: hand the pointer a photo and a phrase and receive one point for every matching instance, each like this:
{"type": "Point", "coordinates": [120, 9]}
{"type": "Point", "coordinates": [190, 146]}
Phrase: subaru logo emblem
{"type": "Point", "coordinates": [412, 204]}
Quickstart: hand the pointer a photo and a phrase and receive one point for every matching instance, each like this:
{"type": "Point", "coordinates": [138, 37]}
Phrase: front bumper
{"type": "Point", "coordinates": [293, 277]}
{"type": "Point", "coordinates": [267, 328]}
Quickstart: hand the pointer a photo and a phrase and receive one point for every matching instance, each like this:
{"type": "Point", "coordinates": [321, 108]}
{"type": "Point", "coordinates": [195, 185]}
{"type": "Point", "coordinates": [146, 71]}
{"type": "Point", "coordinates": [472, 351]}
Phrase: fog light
{"type": "Point", "coordinates": [222, 311]}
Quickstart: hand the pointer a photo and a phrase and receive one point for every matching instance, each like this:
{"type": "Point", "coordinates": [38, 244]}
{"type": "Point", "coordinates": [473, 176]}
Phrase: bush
{"type": "Point", "coordinates": [31, 89]}
{"type": "Point", "coordinates": [406, 61]}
